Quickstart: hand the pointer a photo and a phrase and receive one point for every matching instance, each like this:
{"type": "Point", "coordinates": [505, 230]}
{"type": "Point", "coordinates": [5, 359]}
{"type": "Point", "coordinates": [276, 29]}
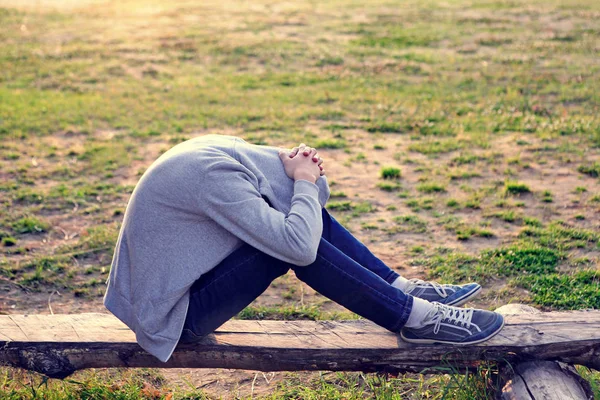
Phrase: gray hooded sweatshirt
{"type": "Point", "coordinates": [194, 206]}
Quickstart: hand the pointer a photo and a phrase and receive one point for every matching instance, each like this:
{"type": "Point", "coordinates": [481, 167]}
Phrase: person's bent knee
{"type": "Point", "coordinates": [305, 259]}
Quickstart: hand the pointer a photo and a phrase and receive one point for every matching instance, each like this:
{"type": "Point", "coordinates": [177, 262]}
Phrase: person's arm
{"type": "Point", "coordinates": [235, 204]}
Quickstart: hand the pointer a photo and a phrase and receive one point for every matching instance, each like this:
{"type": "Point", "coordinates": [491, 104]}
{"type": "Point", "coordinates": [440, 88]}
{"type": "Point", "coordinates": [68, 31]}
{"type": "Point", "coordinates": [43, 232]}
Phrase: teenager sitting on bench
{"type": "Point", "coordinates": [215, 220]}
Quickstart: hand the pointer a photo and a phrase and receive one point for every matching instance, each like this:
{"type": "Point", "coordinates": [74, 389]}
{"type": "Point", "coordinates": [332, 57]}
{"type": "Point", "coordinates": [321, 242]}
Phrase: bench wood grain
{"type": "Point", "coordinates": [58, 345]}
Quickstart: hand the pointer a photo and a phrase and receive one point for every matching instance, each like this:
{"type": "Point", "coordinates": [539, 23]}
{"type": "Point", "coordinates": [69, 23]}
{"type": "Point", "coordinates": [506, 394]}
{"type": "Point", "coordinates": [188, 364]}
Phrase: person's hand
{"type": "Point", "coordinates": [305, 150]}
{"type": "Point", "coordinates": [302, 162]}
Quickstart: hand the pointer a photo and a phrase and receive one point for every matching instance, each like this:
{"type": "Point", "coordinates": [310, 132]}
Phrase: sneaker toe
{"type": "Point", "coordinates": [462, 294]}
{"type": "Point", "coordinates": [489, 323]}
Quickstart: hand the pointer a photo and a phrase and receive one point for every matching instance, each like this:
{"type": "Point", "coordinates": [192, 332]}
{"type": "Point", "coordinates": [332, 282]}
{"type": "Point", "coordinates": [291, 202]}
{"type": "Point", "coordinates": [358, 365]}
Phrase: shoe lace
{"type": "Point", "coordinates": [413, 283]}
{"type": "Point", "coordinates": [454, 315]}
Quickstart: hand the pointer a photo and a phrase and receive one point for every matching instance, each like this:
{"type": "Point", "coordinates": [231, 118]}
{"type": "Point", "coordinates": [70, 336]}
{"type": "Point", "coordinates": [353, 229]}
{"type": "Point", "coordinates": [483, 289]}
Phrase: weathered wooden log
{"type": "Point", "coordinates": [548, 380]}
{"type": "Point", "coordinates": [57, 345]}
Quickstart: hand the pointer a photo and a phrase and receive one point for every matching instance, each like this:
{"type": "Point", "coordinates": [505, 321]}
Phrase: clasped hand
{"type": "Point", "coordinates": [302, 162]}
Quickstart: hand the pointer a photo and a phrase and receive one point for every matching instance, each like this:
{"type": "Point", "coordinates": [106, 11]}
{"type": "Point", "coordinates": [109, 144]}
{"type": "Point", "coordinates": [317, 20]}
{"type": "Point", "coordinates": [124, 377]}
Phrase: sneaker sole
{"type": "Point", "coordinates": [433, 341]}
{"type": "Point", "coordinates": [465, 298]}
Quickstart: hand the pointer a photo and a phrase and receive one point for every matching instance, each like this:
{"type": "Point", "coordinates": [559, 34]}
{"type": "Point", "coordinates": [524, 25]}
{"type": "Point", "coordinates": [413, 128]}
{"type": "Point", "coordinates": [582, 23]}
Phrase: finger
{"type": "Point", "coordinates": [307, 150]}
{"type": "Point", "coordinates": [294, 151]}
{"type": "Point", "coordinates": [322, 172]}
{"type": "Point", "coordinates": [301, 147]}
{"type": "Point", "coordinates": [320, 162]}
{"type": "Point", "coordinates": [312, 152]}
{"type": "Point", "coordinates": [315, 157]}
{"type": "Point", "coordinates": [282, 155]}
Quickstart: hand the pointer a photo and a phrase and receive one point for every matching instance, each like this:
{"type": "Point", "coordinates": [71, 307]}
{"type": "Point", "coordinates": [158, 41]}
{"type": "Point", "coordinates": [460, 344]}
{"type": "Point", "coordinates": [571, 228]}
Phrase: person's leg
{"type": "Point", "coordinates": [342, 239]}
{"type": "Point", "coordinates": [343, 280]}
{"type": "Point", "coordinates": [227, 289]}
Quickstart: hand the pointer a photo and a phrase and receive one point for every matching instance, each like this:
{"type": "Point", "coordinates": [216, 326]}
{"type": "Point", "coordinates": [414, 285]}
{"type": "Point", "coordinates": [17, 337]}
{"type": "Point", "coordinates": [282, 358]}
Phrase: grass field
{"type": "Point", "coordinates": [461, 139]}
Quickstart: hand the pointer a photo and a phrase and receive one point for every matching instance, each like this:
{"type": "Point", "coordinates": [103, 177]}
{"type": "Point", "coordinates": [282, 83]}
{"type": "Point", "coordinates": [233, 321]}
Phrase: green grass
{"type": "Point", "coordinates": [547, 196]}
{"type": "Point", "coordinates": [30, 224]}
{"type": "Point", "coordinates": [431, 187]}
{"type": "Point", "coordinates": [387, 127]}
{"type": "Point", "coordinates": [356, 208]}
{"type": "Point", "coordinates": [453, 267]}
{"type": "Point", "coordinates": [560, 235]}
{"type": "Point", "coordinates": [592, 170]}
{"type": "Point", "coordinates": [113, 384]}
{"type": "Point", "coordinates": [463, 230]}
{"type": "Point", "coordinates": [420, 204]}
{"type": "Point", "coordinates": [390, 173]}
{"type": "Point", "coordinates": [409, 223]}
{"type": "Point", "coordinates": [281, 313]}
{"type": "Point", "coordinates": [465, 159]}
{"type": "Point", "coordinates": [461, 174]}
{"type": "Point", "coordinates": [508, 215]}
{"type": "Point", "coordinates": [339, 205]}
{"type": "Point", "coordinates": [8, 241]}
{"type": "Point", "coordinates": [532, 222]}
{"type": "Point", "coordinates": [396, 37]}
{"type": "Point", "coordinates": [388, 186]}
{"type": "Point", "coordinates": [330, 144]}
{"type": "Point", "coordinates": [453, 203]}
{"type": "Point", "coordinates": [516, 188]}
{"type": "Point", "coordinates": [94, 239]}
{"type": "Point", "coordinates": [330, 61]}
{"type": "Point", "coordinates": [533, 268]}
{"type": "Point", "coordinates": [466, 232]}
{"type": "Point", "coordinates": [337, 194]}
{"type": "Point", "coordinates": [564, 292]}
{"type": "Point", "coordinates": [593, 377]}
{"type": "Point", "coordinates": [512, 261]}
{"type": "Point", "coordinates": [357, 386]}
{"type": "Point", "coordinates": [435, 147]}
{"type": "Point", "coordinates": [518, 260]}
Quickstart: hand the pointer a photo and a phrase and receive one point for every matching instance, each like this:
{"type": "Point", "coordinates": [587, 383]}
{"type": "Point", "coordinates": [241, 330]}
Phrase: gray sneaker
{"type": "Point", "coordinates": [450, 295]}
{"type": "Point", "coordinates": [452, 325]}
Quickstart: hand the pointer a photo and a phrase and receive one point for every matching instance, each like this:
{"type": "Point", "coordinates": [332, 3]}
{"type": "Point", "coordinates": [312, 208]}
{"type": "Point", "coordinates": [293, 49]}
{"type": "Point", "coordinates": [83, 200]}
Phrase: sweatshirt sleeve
{"type": "Point", "coordinates": [231, 199]}
{"type": "Point", "coordinates": [324, 191]}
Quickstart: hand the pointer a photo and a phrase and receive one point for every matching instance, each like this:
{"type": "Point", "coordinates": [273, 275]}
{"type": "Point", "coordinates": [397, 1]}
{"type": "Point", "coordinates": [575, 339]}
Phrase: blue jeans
{"type": "Point", "coordinates": [345, 271]}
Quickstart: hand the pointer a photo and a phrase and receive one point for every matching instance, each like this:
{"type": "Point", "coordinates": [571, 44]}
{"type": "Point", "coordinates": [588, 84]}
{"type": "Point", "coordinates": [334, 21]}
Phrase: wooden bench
{"type": "Point", "coordinates": [58, 345]}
